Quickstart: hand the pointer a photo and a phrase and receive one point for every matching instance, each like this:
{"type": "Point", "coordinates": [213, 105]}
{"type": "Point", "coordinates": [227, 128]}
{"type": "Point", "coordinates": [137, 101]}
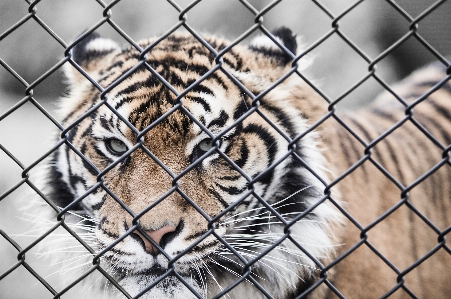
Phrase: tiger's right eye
{"type": "Point", "coordinates": [205, 145]}
{"type": "Point", "coordinates": [116, 146]}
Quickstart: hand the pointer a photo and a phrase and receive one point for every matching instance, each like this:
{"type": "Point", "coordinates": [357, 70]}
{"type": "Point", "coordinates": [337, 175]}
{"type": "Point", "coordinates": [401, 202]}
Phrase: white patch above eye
{"type": "Point", "coordinates": [101, 44]}
{"type": "Point", "coordinates": [265, 42]}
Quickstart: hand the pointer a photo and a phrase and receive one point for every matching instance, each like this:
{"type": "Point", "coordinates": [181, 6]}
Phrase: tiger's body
{"type": "Point", "coordinates": [222, 202]}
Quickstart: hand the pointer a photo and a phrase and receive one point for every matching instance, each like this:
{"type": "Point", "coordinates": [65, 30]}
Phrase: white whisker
{"type": "Point", "coordinates": [258, 216]}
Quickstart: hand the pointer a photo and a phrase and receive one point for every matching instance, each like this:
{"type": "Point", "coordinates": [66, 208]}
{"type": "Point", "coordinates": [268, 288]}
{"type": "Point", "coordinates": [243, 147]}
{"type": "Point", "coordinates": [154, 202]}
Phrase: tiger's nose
{"type": "Point", "coordinates": [155, 235]}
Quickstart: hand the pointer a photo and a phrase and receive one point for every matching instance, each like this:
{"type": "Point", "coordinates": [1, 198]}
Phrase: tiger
{"type": "Point", "coordinates": [197, 167]}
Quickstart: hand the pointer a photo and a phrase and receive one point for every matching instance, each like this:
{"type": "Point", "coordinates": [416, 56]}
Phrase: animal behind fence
{"type": "Point", "coordinates": [190, 166]}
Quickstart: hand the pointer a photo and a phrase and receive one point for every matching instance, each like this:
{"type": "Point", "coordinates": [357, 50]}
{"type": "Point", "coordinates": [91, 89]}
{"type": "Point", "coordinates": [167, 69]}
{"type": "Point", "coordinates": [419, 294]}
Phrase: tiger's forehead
{"type": "Point", "coordinates": [175, 64]}
{"type": "Point", "coordinates": [150, 104]}
{"type": "Point", "coordinates": [180, 51]}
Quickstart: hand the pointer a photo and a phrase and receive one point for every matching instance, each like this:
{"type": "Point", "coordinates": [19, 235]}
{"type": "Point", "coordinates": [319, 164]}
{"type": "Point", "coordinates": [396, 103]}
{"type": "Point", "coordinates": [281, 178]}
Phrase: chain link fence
{"type": "Point", "coordinates": [183, 22]}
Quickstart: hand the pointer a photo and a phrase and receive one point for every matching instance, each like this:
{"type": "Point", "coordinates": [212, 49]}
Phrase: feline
{"type": "Point", "coordinates": [201, 175]}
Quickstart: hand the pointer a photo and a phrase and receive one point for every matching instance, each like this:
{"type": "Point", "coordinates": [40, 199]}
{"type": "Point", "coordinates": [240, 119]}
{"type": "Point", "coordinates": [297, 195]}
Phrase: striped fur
{"type": "Point", "coordinates": [406, 154]}
{"type": "Point", "coordinates": [294, 182]}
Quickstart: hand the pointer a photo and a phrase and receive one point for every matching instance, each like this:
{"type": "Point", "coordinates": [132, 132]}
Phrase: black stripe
{"type": "Point", "coordinates": [205, 246]}
{"type": "Point", "coordinates": [201, 101]}
{"type": "Point", "coordinates": [182, 65]}
{"type": "Point", "coordinates": [180, 125]}
{"type": "Point", "coordinates": [230, 63]}
{"type": "Point", "coordinates": [349, 146]}
{"type": "Point", "coordinates": [104, 123]}
{"type": "Point", "coordinates": [200, 51]}
{"type": "Point", "coordinates": [195, 235]}
{"type": "Point", "coordinates": [60, 192]}
{"type": "Point", "coordinates": [112, 76]}
{"type": "Point", "coordinates": [281, 117]}
{"type": "Point", "coordinates": [241, 108]}
{"type": "Point", "coordinates": [412, 96]}
{"type": "Point", "coordinates": [85, 58]}
{"type": "Point", "coordinates": [271, 149]}
{"type": "Point", "coordinates": [431, 84]}
{"type": "Point", "coordinates": [88, 131]}
{"type": "Point", "coordinates": [75, 179]}
{"type": "Point", "coordinates": [219, 197]}
{"type": "Point", "coordinates": [88, 167]}
{"type": "Point", "coordinates": [219, 121]}
{"type": "Point", "coordinates": [362, 130]}
{"type": "Point", "coordinates": [109, 234]}
{"type": "Point", "coordinates": [376, 153]}
{"type": "Point", "coordinates": [142, 110]}
{"type": "Point", "coordinates": [173, 78]}
{"type": "Point", "coordinates": [118, 64]}
{"type": "Point", "coordinates": [200, 88]}
{"type": "Point", "coordinates": [292, 183]}
{"type": "Point", "coordinates": [446, 113]}
{"type": "Point", "coordinates": [431, 123]}
{"type": "Point", "coordinates": [237, 56]}
{"type": "Point", "coordinates": [394, 160]}
{"type": "Point", "coordinates": [101, 154]}
{"type": "Point", "coordinates": [120, 252]}
{"type": "Point", "coordinates": [150, 82]}
{"type": "Point", "coordinates": [128, 53]}
{"type": "Point", "coordinates": [274, 53]}
{"type": "Point", "coordinates": [384, 113]}
{"type": "Point", "coordinates": [177, 39]}
{"type": "Point", "coordinates": [441, 110]}
{"type": "Point", "coordinates": [231, 190]}
{"type": "Point", "coordinates": [244, 151]}
{"type": "Point", "coordinates": [97, 206]}
{"type": "Point", "coordinates": [230, 177]}
{"type": "Point", "coordinates": [215, 77]}
{"type": "Point", "coordinates": [269, 140]}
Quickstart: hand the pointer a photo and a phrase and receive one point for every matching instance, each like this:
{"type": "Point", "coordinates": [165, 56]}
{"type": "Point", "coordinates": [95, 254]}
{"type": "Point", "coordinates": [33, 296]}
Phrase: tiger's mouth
{"type": "Point", "coordinates": [156, 266]}
{"type": "Point", "coordinates": [163, 279]}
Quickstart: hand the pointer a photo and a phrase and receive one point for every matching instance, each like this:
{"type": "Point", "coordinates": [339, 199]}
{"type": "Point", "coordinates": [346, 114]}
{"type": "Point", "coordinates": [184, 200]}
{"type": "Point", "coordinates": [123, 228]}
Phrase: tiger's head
{"type": "Point", "coordinates": [186, 157]}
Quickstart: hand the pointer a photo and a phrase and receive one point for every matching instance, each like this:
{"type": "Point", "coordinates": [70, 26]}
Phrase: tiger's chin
{"type": "Point", "coordinates": [152, 276]}
{"type": "Point", "coordinates": [168, 287]}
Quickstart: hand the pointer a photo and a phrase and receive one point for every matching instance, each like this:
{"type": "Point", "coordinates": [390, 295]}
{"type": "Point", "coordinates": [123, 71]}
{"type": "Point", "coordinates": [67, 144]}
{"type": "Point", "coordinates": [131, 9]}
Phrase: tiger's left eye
{"type": "Point", "coordinates": [205, 145]}
{"type": "Point", "coordinates": [201, 148]}
{"type": "Point", "coordinates": [116, 146]}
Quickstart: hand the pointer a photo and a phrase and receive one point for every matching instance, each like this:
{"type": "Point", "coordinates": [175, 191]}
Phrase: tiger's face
{"type": "Point", "coordinates": [190, 168]}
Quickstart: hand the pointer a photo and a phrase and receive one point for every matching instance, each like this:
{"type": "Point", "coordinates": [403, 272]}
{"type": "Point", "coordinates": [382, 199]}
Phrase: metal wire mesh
{"type": "Point", "coordinates": [182, 22]}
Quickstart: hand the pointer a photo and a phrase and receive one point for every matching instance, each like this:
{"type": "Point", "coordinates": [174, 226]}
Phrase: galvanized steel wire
{"type": "Point", "coordinates": [105, 18]}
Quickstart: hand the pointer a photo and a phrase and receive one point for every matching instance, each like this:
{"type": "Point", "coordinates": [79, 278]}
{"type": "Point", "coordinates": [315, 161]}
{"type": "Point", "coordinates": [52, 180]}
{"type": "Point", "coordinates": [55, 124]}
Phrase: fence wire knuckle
{"type": "Point", "coordinates": [366, 147]}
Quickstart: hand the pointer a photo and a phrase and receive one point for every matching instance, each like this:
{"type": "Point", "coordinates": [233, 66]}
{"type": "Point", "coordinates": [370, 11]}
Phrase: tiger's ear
{"type": "Point", "coordinates": [90, 53]}
{"type": "Point", "coordinates": [264, 46]}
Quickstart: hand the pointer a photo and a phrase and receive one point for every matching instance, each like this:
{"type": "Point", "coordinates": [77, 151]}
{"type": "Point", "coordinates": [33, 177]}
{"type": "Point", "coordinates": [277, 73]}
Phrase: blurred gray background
{"type": "Point", "coordinates": [373, 26]}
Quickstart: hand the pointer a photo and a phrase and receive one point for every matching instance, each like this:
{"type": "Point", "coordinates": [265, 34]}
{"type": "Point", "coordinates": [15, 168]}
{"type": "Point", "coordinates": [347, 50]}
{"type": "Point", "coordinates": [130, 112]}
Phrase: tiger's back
{"type": "Point", "coordinates": [398, 190]}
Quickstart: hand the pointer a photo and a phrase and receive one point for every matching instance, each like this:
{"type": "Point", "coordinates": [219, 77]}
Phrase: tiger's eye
{"type": "Point", "coordinates": [205, 145]}
{"type": "Point", "coordinates": [116, 146]}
